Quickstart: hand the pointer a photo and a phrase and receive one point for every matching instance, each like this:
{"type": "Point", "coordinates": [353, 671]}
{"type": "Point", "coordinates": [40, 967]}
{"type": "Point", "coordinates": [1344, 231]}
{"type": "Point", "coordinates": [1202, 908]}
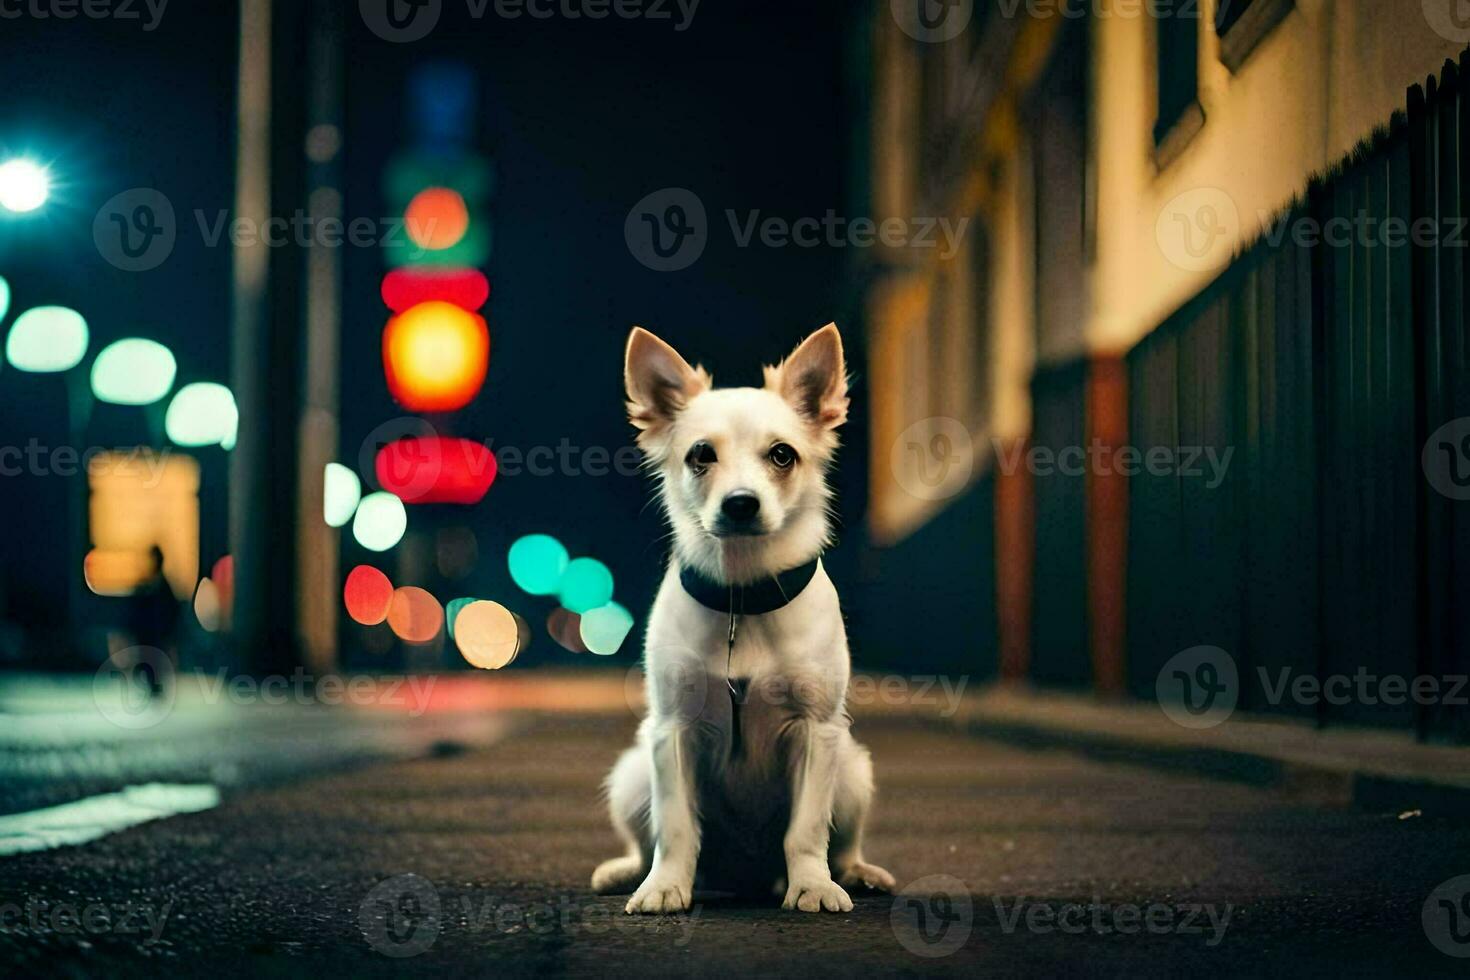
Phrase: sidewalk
{"type": "Point", "coordinates": [1380, 770]}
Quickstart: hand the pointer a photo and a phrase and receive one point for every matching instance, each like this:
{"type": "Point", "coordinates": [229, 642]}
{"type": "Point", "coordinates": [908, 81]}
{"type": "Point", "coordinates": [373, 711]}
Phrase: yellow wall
{"type": "Point", "coordinates": [1319, 83]}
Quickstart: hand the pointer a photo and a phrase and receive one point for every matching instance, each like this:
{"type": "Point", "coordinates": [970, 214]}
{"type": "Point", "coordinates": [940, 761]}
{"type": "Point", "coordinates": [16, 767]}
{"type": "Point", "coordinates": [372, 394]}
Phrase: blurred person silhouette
{"type": "Point", "coordinates": [153, 620]}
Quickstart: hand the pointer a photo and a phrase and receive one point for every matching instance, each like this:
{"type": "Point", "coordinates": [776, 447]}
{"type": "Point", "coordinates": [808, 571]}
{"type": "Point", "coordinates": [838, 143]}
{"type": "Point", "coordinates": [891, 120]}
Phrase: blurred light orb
{"type": "Point", "coordinates": [24, 185]}
{"type": "Point", "coordinates": [133, 371]}
{"type": "Point", "coordinates": [586, 584]}
{"type": "Point", "coordinates": [452, 611]}
{"type": "Point", "coordinates": [407, 287]}
{"type": "Point", "coordinates": [436, 218]}
{"type": "Point", "coordinates": [380, 522]}
{"type": "Point", "coordinates": [46, 339]}
{"type": "Point", "coordinates": [436, 469]}
{"type": "Point", "coordinates": [537, 563]}
{"type": "Point", "coordinates": [414, 615]}
{"type": "Point", "coordinates": [4, 297]}
{"type": "Point", "coordinates": [566, 629]}
{"type": "Point", "coordinates": [367, 595]}
{"type": "Point", "coordinates": [487, 635]}
{"type": "Point", "coordinates": [202, 414]}
{"type": "Point", "coordinates": [435, 356]}
{"type": "Point", "coordinates": [605, 628]}
{"type": "Point", "coordinates": [207, 607]}
{"type": "Point", "coordinates": [223, 574]}
{"type": "Point", "coordinates": [341, 490]}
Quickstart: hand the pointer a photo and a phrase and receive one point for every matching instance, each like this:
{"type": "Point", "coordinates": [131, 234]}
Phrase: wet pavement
{"type": "Point", "coordinates": [1013, 861]}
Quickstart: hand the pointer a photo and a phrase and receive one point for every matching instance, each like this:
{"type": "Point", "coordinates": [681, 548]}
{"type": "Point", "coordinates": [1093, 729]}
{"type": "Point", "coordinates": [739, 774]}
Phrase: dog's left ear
{"type": "Point", "coordinates": [814, 379]}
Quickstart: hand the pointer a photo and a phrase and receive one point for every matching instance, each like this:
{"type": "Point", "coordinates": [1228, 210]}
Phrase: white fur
{"type": "Point", "coordinates": [786, 801]}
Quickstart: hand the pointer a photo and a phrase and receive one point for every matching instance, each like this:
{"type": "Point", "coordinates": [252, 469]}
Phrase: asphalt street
{"type": "Point", "coordinates": [1013, 862]}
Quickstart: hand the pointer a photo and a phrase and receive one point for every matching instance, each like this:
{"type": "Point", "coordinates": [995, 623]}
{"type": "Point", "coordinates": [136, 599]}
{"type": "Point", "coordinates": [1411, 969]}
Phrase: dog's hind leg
{"type": "Point", "coordinates": [629, 791]}
{"type": "Point", "coordinates": [849, 812]}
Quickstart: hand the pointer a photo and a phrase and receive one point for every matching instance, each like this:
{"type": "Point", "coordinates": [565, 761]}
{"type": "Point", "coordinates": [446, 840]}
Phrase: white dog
{"type": "Point", "coordinates": [744, 770]}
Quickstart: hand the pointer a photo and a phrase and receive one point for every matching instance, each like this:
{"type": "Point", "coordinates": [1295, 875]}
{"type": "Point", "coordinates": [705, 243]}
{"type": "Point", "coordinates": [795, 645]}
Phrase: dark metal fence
{"type": "Point", "coordinates": [1326, 358]}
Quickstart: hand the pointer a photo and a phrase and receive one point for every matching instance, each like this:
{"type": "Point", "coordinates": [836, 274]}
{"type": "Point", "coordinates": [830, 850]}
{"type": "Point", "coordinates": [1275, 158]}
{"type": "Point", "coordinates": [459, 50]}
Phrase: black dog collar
{"type": "Point", "coordinates": [755, 599]}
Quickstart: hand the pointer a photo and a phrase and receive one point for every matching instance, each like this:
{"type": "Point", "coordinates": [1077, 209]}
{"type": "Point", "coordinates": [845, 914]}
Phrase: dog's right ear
{"type": "Point", "coordinates": [659, 382]}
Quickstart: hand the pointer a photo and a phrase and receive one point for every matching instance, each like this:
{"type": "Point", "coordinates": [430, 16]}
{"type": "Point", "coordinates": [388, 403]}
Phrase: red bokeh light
{"type": "Point", "coordinates": [406, 288]}
{"type": "Point", "coordinates": [368, 594]}
{"type": "Point", "coordinates": [223, 574]}
{"type": "Point", "coordinates": [436, 470]}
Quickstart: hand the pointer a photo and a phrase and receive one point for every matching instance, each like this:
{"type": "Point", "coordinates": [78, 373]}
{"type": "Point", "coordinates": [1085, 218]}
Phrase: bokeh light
{"type": "Point", "coordinates": [436, 218]}
{"type": "Point", "coordinates": [207, 606]}
{"type": "Point", "coordinates": [133, 371]}
{"type": "Point", "coordinates": [406, 288]}
{"type": "Point", "coordinates": [24, 185]}
{"type": "Point", "coordinates": [566, 629]}
{"type": "Point", "coordinates": [436, 469]}
{"type": "Point", "coordinates": [380, 521]}
{"type": "Point", "coordinates": [452, 610]}
{"type": "Point", "coordinates": [487, 635]}
{"type": "Point", "coordinates": [537, 562]}
{"type": "Point", "coordinates": [435, 356]}
{"type": "Point", "coordinates": [605, 628]}
{"type": "Point", "coordinates": [202, 414]}
{"type": "Point", "coordinates": [367, 595]}
{"type": "Point", "coordinates": [414, 615]}
{"type": "Point", "coordinates": [586, 584]}
{"type": "Point", "coordinates": [223, 574]}
{"type": "Point", "coordinates": [46, 339]}
{"type": "Point", "coordinates": [4, 297]}
{"type": "Point", "coordinates": [341, 490]}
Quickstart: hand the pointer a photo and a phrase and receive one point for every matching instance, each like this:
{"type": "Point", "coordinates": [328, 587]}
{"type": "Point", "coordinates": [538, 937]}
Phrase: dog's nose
{"type": "Point", "coordinates": [741, 505]}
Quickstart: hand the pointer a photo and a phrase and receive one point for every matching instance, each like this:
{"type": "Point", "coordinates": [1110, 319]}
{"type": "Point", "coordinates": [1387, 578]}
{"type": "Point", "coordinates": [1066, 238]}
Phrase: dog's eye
{"type": "Point", "coordinates": [700, 455]}
{"type": "Point", "coordinates": [782, 455]}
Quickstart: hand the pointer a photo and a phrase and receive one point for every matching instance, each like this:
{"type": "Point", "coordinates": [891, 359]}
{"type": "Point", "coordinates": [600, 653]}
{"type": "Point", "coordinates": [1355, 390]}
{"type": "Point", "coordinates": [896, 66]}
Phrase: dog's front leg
{"type": "Point", "coordinates": [669, 886]}
{"type": "Point", "coordinates": [810, 888]}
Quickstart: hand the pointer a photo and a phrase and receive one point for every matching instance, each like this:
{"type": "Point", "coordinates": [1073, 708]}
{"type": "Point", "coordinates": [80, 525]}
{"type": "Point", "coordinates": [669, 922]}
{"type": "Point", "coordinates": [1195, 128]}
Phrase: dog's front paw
{"type": "Point", "coordinates": [861, 874]}
{"type": "Point", "coordinates": [813, 893]}
{"type": "Point", "coordinates": [661, 894]}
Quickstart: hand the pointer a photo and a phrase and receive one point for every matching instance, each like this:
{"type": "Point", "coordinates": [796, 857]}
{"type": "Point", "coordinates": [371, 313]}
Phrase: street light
{"type": "Point", "coordinates": [24, 185]}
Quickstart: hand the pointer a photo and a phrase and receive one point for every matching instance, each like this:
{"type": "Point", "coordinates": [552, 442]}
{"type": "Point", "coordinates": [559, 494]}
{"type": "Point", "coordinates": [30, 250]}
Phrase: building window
{"type": "Point", "coordinates": [1180, 115]}
{"type": "Point", "coordinates": [1242, 24]}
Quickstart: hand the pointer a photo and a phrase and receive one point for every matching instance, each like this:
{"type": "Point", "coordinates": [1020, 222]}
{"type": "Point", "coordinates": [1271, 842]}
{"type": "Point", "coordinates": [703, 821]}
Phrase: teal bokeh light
{"type": "Point", "coordinates": [452, 611]}
{"type": "Point", "coordinates": [47, 339]}
{"type": "Point", "coordinates": [605, 628]}
{"type": "Point", "coordinates": [537, 563]}
{"type": "Point", "coordinates": [133, 371]}
{"type": "Point", "coordinates": [586, 584]}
